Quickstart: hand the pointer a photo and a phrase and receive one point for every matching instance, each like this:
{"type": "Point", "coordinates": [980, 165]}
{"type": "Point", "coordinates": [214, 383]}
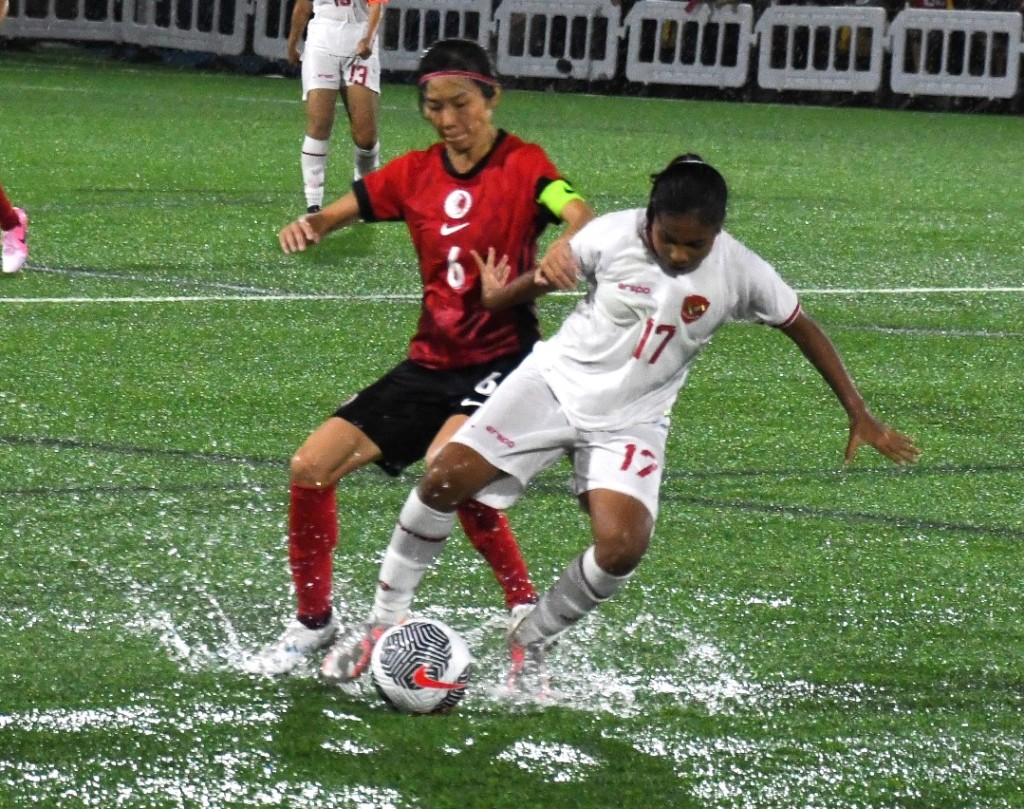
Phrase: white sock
{"type": "Point", "coordinates": [314, 169]}
{"type": "Point", "coordinates": [416, 542]}
{"type": "Point", "coordinates": [582, 586]}
{"type": "Point", "coordinates": [365, 160]}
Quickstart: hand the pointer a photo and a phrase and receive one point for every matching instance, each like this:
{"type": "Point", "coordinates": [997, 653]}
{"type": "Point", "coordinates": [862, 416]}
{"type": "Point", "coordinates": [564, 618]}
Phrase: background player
{"type": "Point", "coordinates": [660, 282]}
{"type": "Point", "coordinates": [340, 59]}
{"type": "Point", "coordinates": [480, 189]}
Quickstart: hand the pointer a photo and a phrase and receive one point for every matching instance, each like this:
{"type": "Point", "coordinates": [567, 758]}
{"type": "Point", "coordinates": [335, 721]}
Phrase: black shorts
{"type": "Point", "coordinates": [403, 410]}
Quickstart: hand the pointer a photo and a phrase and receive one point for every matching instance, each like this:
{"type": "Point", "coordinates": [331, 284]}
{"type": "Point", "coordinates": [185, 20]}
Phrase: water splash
{"type": "Point", "coordinates": [555, 763]}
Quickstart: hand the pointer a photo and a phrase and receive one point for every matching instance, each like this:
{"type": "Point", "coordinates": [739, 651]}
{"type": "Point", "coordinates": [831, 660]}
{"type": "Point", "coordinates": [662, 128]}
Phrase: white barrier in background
{"type": "Point", "coordinates": [46, 19]}
{"type": "Point", "coordinates": [842, 48]}
{"type": "Point", "coordinates": [570, 39]}
{"type": "Point", "coordinates": [956, 53]}
{"type": "Point", "coordinates": [271, 21]}
{"type": "Point", "coordinates": [217, 26]}
{"type": "Point", "coordinates": [412, 26]}
{"type": "Point", "coordinates": [409, 28]}
{"type": "Point", "coordinates": [708, 47]}
{"type": "Point", "coordinates": [821, 48]}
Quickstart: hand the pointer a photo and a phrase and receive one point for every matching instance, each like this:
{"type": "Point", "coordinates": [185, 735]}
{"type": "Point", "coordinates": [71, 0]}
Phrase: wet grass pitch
{"type": "Point", "coordinates": [800, 635]}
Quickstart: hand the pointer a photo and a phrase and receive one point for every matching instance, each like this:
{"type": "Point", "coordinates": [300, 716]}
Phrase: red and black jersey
{"type": "Point", "coordinates": [448, 215]}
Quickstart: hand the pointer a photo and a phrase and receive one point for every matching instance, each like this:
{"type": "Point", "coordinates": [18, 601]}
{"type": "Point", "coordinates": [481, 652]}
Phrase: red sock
{"type": "Point", "coordinates": [312, 537]}
{"type": "Point", "coordinates": [8, 217]}
{"type": "Point", "coordinates": [489, 531]}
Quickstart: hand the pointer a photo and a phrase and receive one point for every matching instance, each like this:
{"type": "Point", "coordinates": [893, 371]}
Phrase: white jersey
{"type": "Point", "coordinates": [338, 25]}
{"type": "Point", "coordinates": [623, 354]}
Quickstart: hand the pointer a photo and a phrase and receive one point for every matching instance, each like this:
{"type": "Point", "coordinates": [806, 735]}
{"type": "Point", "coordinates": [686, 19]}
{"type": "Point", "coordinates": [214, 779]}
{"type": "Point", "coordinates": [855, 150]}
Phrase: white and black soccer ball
{"type": "Point", "coordinates": [421, 666]}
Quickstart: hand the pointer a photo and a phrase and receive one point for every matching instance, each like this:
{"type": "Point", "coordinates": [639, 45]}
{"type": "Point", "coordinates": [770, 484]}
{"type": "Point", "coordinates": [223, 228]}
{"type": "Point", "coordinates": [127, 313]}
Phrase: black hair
{"type": "Point", "coordinates": [688, 185]}
{"type": "Point", "coordinates": [458, 54]}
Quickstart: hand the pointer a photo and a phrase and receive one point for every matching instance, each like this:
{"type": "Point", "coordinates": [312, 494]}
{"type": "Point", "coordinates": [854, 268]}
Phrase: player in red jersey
{"type": "Point", "coordinates": [480, 191]}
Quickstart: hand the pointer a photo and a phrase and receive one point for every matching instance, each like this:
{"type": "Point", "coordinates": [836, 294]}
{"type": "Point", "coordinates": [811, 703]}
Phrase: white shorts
{"type": "Point", "coordinates": [522, 430]}
{"type": "Point", "coordinates": [330, 64]}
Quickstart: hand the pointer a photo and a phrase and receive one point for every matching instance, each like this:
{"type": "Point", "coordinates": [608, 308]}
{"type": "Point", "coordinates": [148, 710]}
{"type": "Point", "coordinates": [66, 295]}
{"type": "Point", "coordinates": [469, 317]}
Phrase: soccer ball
{"type": "Point", "coordinates": [421, 666]}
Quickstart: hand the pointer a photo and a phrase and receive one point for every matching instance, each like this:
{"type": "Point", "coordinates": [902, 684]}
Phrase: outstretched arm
{"type": "Point", "coordinates": [311, 229]}
{"type": "Point", "coordinates": [864, 427]}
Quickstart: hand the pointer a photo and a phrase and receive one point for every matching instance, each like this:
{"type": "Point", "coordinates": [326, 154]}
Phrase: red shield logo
{"type": "Point", "coordinates": [693, 307]}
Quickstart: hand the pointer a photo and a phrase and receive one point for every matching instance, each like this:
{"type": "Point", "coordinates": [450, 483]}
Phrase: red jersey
{"type": "Point", "coordinates": [448, 215]}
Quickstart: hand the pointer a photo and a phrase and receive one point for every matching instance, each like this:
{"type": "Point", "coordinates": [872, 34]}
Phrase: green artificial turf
{"type": "Point", "coordinates": [799, 635]}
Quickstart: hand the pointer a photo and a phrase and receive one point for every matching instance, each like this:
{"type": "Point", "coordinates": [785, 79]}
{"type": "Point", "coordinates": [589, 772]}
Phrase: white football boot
{"type": "Point", "coordinates": [295, 644]}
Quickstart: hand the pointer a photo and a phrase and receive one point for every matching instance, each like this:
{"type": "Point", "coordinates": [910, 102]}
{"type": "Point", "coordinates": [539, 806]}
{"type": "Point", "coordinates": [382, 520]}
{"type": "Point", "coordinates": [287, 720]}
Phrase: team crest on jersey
{"type": "Point", "coordinates": [457, 204]}
{"type": "Point", "coordinates": [693, 307]}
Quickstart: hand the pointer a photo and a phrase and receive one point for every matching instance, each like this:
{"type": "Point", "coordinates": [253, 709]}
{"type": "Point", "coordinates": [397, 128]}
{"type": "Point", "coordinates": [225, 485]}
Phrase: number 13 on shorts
{"type": "Point", "coordinates": [358, 74]}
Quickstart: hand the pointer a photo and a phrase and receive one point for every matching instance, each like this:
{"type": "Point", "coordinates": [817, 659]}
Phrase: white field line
{"type": "Point", "coordinates": [910, 291]}
{"type": "Point", "coordinates": [253, 99]}
{"type": "Point", "coordinates": [277, 298]}
{"type": "Point", "coordinates": [217, 299]}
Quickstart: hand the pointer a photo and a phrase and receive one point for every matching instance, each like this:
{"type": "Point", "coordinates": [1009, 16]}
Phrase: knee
{"type": "Point", "coordinates": [455, 475]}
{"type": "Point", "coordinates": [620, 544]}
{"type": "Point", "coordinates": [305, 471]}
{"type": "Point", "coordinates": [319, 130]}
{"type": "Point", "coordinates": [319, 126]}
{"type": "Point", "coordinates": [439, 489]}
{"type": "Point", "coordinates": [364, 136]}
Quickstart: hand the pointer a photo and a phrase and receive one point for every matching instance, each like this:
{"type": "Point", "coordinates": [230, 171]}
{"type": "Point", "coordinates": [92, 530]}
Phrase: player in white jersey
{"type": "Point", "coordinates": [340, 59]}
{"type": "Point", "coordinates": [660, 282]}
{"type": "Point", "coordinates": [623, 355]}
